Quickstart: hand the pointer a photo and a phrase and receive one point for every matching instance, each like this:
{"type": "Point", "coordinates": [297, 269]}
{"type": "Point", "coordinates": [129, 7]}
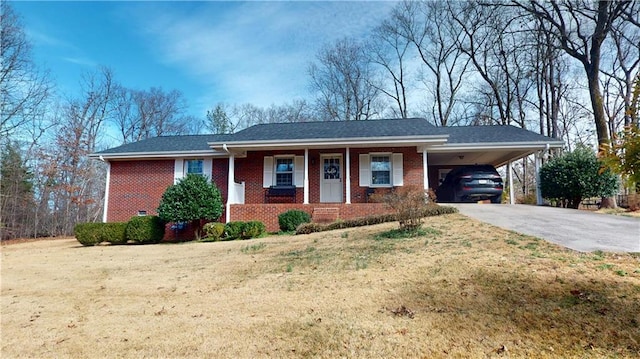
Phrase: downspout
{"type": "Point", "coordinates": [106, 190]}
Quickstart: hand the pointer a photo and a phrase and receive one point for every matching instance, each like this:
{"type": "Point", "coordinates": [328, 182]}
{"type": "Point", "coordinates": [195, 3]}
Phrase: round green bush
{"type": "Point", "coordinates": [145, 229]}
{"type": "Point", "coordinates": [213, 231]}
{"type": "Point", "coordinates": [234, 230]}
{"type": "Point", "coordinates": [290, 220]}
{"type": "Point", "coordinates": [253, 229]}
{"type": "Point", "coordinates": [87, 233]}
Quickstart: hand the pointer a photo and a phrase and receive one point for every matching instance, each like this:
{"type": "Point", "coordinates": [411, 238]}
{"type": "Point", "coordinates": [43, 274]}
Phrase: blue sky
{"type": "Point", "coordinates": [233, 52]}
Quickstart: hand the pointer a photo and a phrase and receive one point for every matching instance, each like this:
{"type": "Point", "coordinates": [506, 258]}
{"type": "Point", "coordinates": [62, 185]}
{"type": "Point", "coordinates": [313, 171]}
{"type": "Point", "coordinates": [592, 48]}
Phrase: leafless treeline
{"type": "Point", "coordinates": [565, 69]}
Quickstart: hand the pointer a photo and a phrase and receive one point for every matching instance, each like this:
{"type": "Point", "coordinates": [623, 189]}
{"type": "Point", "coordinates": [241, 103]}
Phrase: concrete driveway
{"type": "Point", "coordinates": [579, 230]}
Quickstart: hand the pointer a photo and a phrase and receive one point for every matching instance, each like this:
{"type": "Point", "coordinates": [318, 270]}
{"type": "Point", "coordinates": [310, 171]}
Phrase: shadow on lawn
{"type": "Point", "coordinates": [577, 315]}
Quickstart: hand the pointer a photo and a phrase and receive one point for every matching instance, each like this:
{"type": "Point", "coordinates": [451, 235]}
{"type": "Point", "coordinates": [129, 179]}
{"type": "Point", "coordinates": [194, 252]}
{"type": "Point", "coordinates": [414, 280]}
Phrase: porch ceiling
{"type": "Point", "coordinates": [495, 157]}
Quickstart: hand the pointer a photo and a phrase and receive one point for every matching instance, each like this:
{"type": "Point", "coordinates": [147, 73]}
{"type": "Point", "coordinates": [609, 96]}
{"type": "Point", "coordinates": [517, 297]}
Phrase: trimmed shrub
{"type": "Point", "coordinates": [253, 229]}
{"type": "Point", "coordinates": [290, 220]}
{"type": "Point", "coordinates": [115, 233]}
{"type": "Point", "coordinates": [308, 228]}
{"type": "Point", "coordinates": [234, 230]}
{"type": "Point", "coordinates": [213, 231]}
{"type": "Point", "coordinates": [88, 234]}
{"type": "Point", "coordinates": [427, 211]}
{"type": "Point", "coordinates": [91, 234]}
{"type": "Point", "coordinates": [435, 210]}
{"type": "Point", "coordinates": [145, 229]}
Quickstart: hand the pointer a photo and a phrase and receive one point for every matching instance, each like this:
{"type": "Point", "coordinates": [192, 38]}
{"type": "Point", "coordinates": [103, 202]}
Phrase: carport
{"type": "Point", "coordinates": [471, 145]}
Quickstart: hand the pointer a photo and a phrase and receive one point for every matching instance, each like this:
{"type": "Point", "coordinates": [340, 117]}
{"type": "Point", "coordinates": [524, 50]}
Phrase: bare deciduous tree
{"type": "Point", "coordinates": [73, 183]}
{"type": "Point", "coordinates": [23, 88]}
{"type": "Point", "coordinates": [389, 49]}
{"type": "Point", "coordinates": [497, 50]}
{"type": "Point", "coordinates": [142, 114]}
{"type": "Point", "coordinates": [231, 118]}
{"type": "Point", "coordinates": [581, 29]}
{"type": "Point", "coordinates": [435, 36]}
{"type": "Point", "coordinates": [342, 79]}
{"type": "Point", "coordinates": [620, 65]}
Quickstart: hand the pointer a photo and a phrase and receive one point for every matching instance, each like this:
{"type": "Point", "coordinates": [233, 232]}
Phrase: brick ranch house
{"type": "Point", "coordinates": [327, 169]}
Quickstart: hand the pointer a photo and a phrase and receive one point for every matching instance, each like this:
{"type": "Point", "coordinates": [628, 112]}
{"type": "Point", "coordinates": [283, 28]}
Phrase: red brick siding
{"type": "Point", "coordinates": [250, 170]}
{"type": "Point", "coordinates": [137, 185]}
{"type": "Point", "coordinates": [411, 163]}
{"type": "Point", "coordinates": [268, 213]}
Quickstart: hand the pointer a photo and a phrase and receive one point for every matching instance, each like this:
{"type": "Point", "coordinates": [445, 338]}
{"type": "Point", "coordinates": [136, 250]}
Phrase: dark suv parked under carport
{"type": "Point", "coordinates": [471, 184]}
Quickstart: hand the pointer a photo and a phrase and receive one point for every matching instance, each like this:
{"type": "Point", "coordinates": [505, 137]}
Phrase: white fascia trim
{"type": "Point", "coordinates": [358, 141]}
{"type": "Point", "coordinates": [494, 146]}
{"type": "Point", "coordinates": [162, 154]}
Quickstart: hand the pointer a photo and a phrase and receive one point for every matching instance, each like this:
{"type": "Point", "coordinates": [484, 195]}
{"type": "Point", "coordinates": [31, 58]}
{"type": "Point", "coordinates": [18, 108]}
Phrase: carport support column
{"type": "Point", "coordinates": [230, 187]}
{"type": "Point", "coordinates": [306, 176]}
{"type": "Point", "coordinates": [347, 164]}
{"type": "Point", "coordinates": [425, 171]}
{"type": "Point", "coordinates": [538, 164]}
{"type": "Point", "coordinates": [512, 200]}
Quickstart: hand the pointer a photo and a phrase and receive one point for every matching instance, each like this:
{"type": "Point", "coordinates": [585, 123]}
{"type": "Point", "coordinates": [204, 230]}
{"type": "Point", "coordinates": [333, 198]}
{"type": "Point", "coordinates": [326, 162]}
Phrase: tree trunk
{"type": "Point", "coordinates": [602, 129]}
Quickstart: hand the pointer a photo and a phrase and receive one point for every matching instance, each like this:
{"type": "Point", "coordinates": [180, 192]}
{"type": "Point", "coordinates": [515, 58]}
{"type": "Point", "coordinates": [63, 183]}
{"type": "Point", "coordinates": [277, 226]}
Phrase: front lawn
{"type": "Point", "coordinates": [459, 289]}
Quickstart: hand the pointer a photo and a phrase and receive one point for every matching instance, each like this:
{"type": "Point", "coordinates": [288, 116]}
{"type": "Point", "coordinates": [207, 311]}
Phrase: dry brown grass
{"type": "Point", "coordinates": [463, 289]}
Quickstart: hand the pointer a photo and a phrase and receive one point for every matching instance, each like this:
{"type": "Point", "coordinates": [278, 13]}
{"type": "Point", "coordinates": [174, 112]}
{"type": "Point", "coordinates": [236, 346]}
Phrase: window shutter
{"type": "Point", "coordinates": [178, 170]}
{"type": "Point", "coordinates": [397, 170]}
{"type": "Point", "coordinates": [298, 169]}
{"type": "Point", "coordinates": [267, 174]}
{"type": "Point", "coordinates": [207, 168]}
{"type": "Point", "coordinates": [365, 170]}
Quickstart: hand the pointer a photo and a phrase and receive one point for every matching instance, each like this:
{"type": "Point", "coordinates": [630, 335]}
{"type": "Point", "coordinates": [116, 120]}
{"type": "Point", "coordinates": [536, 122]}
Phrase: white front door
{"type": "Point", "coordinates": [331, 178]}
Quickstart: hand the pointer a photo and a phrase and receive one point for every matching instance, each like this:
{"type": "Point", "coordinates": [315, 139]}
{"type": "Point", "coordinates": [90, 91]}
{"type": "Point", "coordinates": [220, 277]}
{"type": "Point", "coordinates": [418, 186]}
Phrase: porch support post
{"type": "Point", "coordinates": [512, 200]}
{"type": "Point", "coordinates": [538, 164]}
{"type": "Point", "coordinates": [230, 187]}
{"type": "Point", "coordinates": [105, 209]}
{"type": "Point", "coordinates": [306, 176]}
{"type": "Point", "coordinates": [425, 170]}
{"type": "Point", "coordinates": [347, 164]}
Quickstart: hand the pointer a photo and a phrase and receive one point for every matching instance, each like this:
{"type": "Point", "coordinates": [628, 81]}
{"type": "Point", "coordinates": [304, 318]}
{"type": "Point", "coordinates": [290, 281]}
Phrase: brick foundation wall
{"type": "Point", "coordinates": [268, 213]}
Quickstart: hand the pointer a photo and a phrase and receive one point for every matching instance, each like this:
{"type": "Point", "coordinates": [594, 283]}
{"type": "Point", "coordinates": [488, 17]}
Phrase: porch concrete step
{"type": "Point", "coordinates": [325, 215]}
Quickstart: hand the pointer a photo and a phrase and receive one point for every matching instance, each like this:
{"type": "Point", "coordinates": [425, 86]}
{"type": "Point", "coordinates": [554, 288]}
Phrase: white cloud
{"type": "Point", "coordinates": [255, 52]}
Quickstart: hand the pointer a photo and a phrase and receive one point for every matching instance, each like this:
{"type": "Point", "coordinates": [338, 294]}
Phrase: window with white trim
{"type": "Point", "coordinates": [381, 170]}
{"type": "Point", "coordinates": [194, 166]}
{"type": "Point", "coordinates": [284, 171]}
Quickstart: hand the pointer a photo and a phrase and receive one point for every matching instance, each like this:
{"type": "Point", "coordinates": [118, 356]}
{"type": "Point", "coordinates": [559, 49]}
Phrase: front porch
{"type": "Point", "coordinates": [320, 212]}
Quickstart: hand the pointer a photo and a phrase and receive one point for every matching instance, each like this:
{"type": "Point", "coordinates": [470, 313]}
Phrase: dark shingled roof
{"type": "Point", "coordinates": [334, 130]}
{"type": "Point", "coordinates": [184, 143]}
{"type": "Point", "coordinates": [492, 134]}
{"type": "Point", "coordinates": [338, 129]}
